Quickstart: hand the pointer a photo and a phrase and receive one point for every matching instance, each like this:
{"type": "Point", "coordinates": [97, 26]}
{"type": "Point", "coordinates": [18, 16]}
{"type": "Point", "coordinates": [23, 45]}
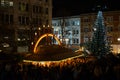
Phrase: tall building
{"type": "Point", "coordinates": [112, 23]}
{"type": "Point", "coordinates": [22, 20]}
{"type": "Point", "coordinates": [79, 28]}
{"type": "Point", "coordinates": [67, 29]}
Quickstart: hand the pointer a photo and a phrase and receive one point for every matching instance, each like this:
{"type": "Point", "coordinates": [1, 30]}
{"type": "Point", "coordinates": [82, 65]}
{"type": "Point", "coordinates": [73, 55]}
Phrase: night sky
{"type": "Point", "coordinates": [76, 7]}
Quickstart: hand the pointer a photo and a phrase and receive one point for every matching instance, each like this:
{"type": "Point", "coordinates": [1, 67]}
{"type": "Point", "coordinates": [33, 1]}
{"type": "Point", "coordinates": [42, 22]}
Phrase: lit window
{"type": "Point", "coordinates": [23, 6]}
{"type": "Point", "coordinates": [77, 23]}
{"type": "Point", "coordinates": [11, 3]}
{"type": "Point", "coordinates": [6, 3]}
{"type": "Point", "coordinates": [2, 2]}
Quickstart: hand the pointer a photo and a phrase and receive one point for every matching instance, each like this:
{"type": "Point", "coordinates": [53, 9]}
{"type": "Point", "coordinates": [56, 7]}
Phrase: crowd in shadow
{"type": "Point", "coordinates": [106, 68]}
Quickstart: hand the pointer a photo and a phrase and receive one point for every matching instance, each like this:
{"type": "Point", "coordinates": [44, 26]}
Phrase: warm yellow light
{"type": "Point", "coordinates": [35, 48]}
{"type": "Point", "coordinates": [43, 25]}
{"type": "Point", "coordinates": [118, 39]}
{"type": "Point", "coordinates": [48, 26]}
{"type": "Point", "coordinates": [32, 43]}
{"type": "Point", "coordinates": [39, 28]}
{"type": "Point", "coordinates": [35, 33]}
{"type": "Point", "coordinates": [48, 63]}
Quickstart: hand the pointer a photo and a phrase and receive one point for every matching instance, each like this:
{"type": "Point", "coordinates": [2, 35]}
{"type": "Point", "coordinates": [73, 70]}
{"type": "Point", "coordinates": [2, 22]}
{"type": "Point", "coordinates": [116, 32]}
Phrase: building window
{"type": "Point", "coordinates": [86, 39]}
{"type": "Point", "coordinates": [109, 38]}
{"type": "Point", "coordinates": [77, 22]}
{"type": "Point", "coordinates": [75, 41]}
{"type": "Point", "coordinates": [33, 8]}
{"type": "Point", "coordinates": [86, 29]}
{"type": "Point", "coordinates": [2, 2]}
{"type": "Point", "coordinates": [7, 19]}
{"type": "Point", "coordinates": [46, 11]}
{"type": "Point", "coordinates": [109, 29]}
{"type": "Point", "coordinates": [23, 6]}
{"type": "Point", "coordinates": [20, 20]}
{"type": "Point", "coordinates": [67, 23]}
{"type": "Point", "coordinates": [11, 3]}
{"type": "Point", "coordinates": [37, 21]}
{"type": "Point", "coordinates": [47, 22]}
{"type": "Point", "coordinates": [37, 9]}
{"type": "Point", "coordinates": [77, 31]}
{"type": "Point", "coordinates": [59, 23]}
{"type": "Point", "coordinates": [23, 20]}
{"type": "Point", "coordinates": [27, 7]}
{"type": "Point", "coordinates": [6, 3]}
{"type": "Point", "coordinates": [54, 24]}
{"type": "Point", "coordinates": [73, 32]}
{"type": "Point", "coordinates": [109, 19]}
{"type": "Point", "coordinates": [73, 23]}
{"type": "Point", "coordinates": [11, 19]}
{"type": "Point", "coordinates": [86, 20]}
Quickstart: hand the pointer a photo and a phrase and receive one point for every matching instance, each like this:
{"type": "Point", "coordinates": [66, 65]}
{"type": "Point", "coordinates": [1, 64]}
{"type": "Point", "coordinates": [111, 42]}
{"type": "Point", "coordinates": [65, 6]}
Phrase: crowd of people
{"type": "Point", "coordinates": [81, 68]}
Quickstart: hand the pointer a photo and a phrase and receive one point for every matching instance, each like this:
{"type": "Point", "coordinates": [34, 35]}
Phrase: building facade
{"type": "Point", "coordinates": [112, 24]}
{"type": "Point", "coordinates": [67, 29]}
{"type": "Point", "coordinates": [78, 29]}
{"type": "Point", "coordinates": [22, 20]}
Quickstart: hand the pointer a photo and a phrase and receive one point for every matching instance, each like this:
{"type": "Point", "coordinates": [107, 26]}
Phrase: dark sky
{"type": "Point", "coordinates": [76, 7]}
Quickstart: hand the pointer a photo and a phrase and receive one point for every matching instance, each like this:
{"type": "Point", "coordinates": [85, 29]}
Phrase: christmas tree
{"type": "Point", "coordinates": [99, 45]}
